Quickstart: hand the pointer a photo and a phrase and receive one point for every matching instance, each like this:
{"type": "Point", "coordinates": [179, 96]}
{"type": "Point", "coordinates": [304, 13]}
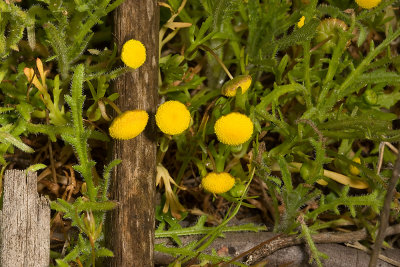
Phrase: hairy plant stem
{"type": "Point", "coordinates": [307, 56]}
{"type": "Point", "coordinates": [203, 243]}
{"type": "Point", "coordinates": [315, 254]}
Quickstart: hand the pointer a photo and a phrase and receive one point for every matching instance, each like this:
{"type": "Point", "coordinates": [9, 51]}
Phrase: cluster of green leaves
{"type": "Point", "coordinates": [48, 98]}
{"type": "Point", "coordinates": [194, 249]}
{"type": "Point", "coordinates": [88, 212]}
{"type": "Point", "coordinates": [57, 39]}
{"type": "Point", "coordinates": [309, 88]}
{"type": "Point", "coordinates": [312, 100]}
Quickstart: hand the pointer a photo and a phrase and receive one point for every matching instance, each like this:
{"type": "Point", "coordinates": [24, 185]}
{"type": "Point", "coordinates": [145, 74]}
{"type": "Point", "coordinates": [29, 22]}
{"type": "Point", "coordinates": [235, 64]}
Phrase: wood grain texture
{"type": "Point", "coordinates": [130, 227]}
{"type": "Point", "coordinates": [25, 222]}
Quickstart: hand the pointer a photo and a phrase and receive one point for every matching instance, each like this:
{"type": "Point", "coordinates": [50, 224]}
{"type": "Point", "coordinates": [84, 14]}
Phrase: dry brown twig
{"type": "Point", "coordinates": [359, 246]}
{"type": "Point", "coordinates": [384, 218]}
{"type": "Point", "coordinates": [322, 238]}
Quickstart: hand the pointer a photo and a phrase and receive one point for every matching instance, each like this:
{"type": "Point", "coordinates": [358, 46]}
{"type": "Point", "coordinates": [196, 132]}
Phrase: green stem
{"type": "Point", "coordinates": [307, 56]}
{"type": "Point", "coordinates": [307, 236]}
{"type": "Point", "coordinates": [206, 230]}
{"type": "Point", "coordinates": [206, 48]}
{"type": "Point", "coordinates": [91, 21]}
{"type": "Point", "coordinates": [209, 238]}
{"type": "Point", "coordinates": [336, 56]}
{"type": "Point", "coordinates": [93, 257]}
{"type": "Point", "coordinates": [114, 5]}
{"type": "Point", "coordinates": [112, 104]}
{"type": "Point", "coordinates": [219, 163]}
{"type": "Point", "coordinates": [371, 55]}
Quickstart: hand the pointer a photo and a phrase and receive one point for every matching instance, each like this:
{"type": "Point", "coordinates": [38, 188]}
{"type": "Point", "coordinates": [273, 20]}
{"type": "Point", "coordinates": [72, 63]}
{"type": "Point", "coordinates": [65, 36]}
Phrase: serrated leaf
{"type": "Point", "coordinates": [36, 167]}
{"type": "Point", "coordinates": [104, 252]}
{"type": "Point", "coordinates": [362, 36]}
{"type": "Point", "coordinates": [56, 205]}
{"type": "Point", "coordinates": [74, 253]}
{"type": "Point", "coordinates": [379, 76]}
{"type": "Point", "coordinates": [388, 100]}
{"type": "Point", "coordinates": [94, 206]}
{"type": "Point", "coordinates": [25, 109]}
{"type": "Point", "coordinates": [305, 33]}
{"type": "Point", "coordinates": [6, 109]}
{"type": "Point", "coordinates": [172, 69]}
{"type": "Point", "coordinates": [76, 99]}
{"type": "Point", "coordinates": [61, 263]}
{"type": "Point", "coordinates": [7, 138]}
{"type": "Point", "coordinates": [223, 10]}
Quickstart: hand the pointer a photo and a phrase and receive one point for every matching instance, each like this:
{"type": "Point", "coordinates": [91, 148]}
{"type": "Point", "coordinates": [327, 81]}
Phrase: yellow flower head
{"type": "Point", "coordinates": [218, 183]}
{"type": "Point", "coordinates": [243, 81]}
{"type": "Point", "coordinates": [233, 129]}
{"type": "Point", "coordinates": [133, 54]}
{"type": "Point", "coordinates": [172, 117]}
{"type": "Point", "coordinates": [129, 124]}
{"type": "Point", "coordinates": [353, 169]}
{"type": "Point", "coordinates": [368, 4]}
{"type": "Point", "coordinates": [301, 22]}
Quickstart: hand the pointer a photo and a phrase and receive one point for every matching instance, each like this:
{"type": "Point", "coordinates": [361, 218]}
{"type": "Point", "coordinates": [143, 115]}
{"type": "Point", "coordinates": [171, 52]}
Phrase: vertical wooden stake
{"type": "Point", "coordinates": [24, 222]}
{"type": "Point", "coordinates": [130, 229]}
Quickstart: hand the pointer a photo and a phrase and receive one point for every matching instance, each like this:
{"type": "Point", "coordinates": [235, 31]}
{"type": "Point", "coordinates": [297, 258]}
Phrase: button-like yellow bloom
{"type": "Point", "coordinates": [172, 117]}
{"type": "Point", "coordinates": [218, 183]}
{"type": "Point", "coordinates": [301, 22]}
{"type": "Point", "coordinates": [353, 169]}
{"type": "Point", "coordinates": [233, 129]}
{"type": "Point", "coordinates": [129, 124]}
{"type": "Point", "coordinates": [243, 81]}
{"type": "Point", "coordinates": [133, 54]}
{"type": "Point", "coordinates": [368, 4]}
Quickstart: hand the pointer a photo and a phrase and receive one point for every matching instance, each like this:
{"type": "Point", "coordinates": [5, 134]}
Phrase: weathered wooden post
{"type": "Point", "coordinates": [130, 230]}
{"type": "Point", "coordinates": [24, 222]}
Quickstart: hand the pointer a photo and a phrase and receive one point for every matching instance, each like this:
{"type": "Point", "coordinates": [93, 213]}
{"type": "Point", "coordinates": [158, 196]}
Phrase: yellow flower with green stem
{"type": "Point", "coordinates": [234, 129]}
{"type": "Point", "coordinates": [218, 183]}
{"type": "Point", "coordinates": [173, 117]}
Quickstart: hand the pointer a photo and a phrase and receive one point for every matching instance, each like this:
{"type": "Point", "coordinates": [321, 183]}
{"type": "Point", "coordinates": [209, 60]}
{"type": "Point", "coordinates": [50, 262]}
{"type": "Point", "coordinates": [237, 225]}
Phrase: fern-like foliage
{"type": "Point", "coordinates": [371, 200]}
{"type": "Point", "coordinates": [175, 229]}
{"type": "Point", "coordinates": [13, 22]}
{"type": "Point", "coordinates": [223, 11]}
{"type": "Point", "coordinates": [85, 213]}
{"type": "Point", "coordinates": [81, 135]}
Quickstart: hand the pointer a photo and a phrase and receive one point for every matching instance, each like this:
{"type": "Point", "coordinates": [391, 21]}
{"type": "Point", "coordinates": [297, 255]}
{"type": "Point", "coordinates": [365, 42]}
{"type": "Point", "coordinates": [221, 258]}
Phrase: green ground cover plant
{"type": "Point", "coordinates": [295, 100]}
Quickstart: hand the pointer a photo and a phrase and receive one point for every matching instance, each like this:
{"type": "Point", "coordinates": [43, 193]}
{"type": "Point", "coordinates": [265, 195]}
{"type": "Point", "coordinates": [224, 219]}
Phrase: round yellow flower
{"type": "Point", "coordinates": [301, 22]}
{"type": "Point", "coordinates": [234, 129]}
{"type": "Point", "coordinates": [218, 183]}
{"type": "Point", "coordinates": [243, 81]}
{"type": "Point", "coordinates": [368, 4]}
{"type": "Point", "coordinates": [172, 117]}
{"type": "Point", "coordinates": [129, 124]}
{"type": "Point", "coordinates": [353, 169]}
{"type": "Point", "coordinates": [133, 54]}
